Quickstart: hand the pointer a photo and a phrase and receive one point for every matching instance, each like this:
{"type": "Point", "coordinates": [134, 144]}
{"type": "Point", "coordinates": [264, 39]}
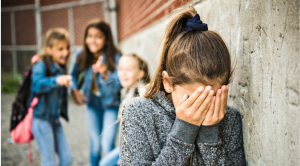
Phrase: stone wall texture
{"type": "Point", "coordinates": [263, 38]}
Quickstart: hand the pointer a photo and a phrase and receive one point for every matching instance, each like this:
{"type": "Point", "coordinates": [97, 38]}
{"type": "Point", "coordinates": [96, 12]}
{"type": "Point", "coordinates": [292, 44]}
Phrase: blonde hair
{"type": "Point", "coordinates": [142, 65]}
{"type": "Point", "coordinates": [50, 37]}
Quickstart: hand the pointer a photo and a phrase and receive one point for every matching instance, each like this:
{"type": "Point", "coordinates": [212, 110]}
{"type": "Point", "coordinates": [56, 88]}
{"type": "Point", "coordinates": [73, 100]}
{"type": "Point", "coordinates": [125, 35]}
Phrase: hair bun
{"type": "Point", "coordinates": [195, 24]}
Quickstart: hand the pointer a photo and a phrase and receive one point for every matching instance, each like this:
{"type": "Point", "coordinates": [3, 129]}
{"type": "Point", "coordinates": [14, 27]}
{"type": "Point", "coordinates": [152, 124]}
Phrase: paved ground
{"type": "Point", "coordinates": [75, 130]}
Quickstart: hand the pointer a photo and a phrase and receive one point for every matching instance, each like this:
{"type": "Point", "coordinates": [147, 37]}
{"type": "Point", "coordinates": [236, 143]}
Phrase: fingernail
{"type": "Point", "coordinates": [214, 98]}
{"type": "Point", "coordinates": [184, 96]}
{"type": "Point", "coordinates": [208, 88]}
{"type": "Point", "coordinates": [211, 92]}
{"type": "Point", "coordinates": [224, 87]}
{"type": "Point", "coordinates": [219, 91]}
{"type": "Point", "coordinates": [200, 89]}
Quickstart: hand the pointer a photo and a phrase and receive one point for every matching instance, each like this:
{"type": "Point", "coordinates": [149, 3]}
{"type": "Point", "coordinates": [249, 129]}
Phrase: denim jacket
{"type": "Point", "coordinates": [53, 98]}
{"type": "Point", "coordinates": [109, 88]}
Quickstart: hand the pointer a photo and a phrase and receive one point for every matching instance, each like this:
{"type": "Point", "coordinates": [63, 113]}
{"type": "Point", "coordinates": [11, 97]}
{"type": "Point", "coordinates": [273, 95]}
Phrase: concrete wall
{"type": "Point", "coordinates": [263, 37]}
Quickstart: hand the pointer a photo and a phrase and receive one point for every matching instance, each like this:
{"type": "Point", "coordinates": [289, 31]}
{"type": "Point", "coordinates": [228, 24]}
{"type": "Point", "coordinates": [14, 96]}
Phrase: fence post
{"type": "Point", "coordinates": [113, 16]}
{"type": "Point", "coordinates": [38, 25]}
{"type": "Point", "coordinates": [71, 27]}
{"type": "Point", "coordinates": [13, 42]}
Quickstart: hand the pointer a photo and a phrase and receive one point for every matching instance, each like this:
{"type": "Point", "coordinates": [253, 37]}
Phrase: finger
{"type": "Point", "coordinates": [199, 101]}
{"type": "Point", "coordinates": [82, 96]}
{"type": "Point", "coordinates": [100, 60]}
{"type": "Point", "coordinates": [211, 107]}
{"type": "Point", "coordinates": [224, 98]}
{"type": "Point", "coordinates": [206, 103]}
{"type": "Point", "coordinates": [185, 97]}
{"type": "Point", "coordinates": [227, 90]}
{"type": "Point", "coordinates": [70, 83]}
{"type": "Point", "coordinates": [193, 97]}
{"type": "Point", "coordinates": [78, 99]}
{"type": "Point", "coordinates": [217, 103]}
{"type": "Point", "coordinates": [69, 77]}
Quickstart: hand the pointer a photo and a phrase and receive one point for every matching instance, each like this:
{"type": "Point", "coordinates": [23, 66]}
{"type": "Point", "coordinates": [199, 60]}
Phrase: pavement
{"type": "Point", "coordinates": [75, 131]}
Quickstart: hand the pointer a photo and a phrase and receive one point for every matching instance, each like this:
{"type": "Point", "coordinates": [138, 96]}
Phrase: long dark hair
{"type": "Point", "coordinates": [85, 59]}
{"type": "Point", "coordinates": [189, 57]}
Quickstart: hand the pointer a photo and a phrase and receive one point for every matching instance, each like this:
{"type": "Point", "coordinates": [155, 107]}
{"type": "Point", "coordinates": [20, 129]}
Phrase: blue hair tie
{"type": "Point", "coordinates": [195, 24]}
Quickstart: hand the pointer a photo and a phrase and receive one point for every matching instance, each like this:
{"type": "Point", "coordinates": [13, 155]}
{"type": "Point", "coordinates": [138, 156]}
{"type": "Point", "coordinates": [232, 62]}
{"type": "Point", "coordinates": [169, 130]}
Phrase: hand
{"type": "Point", "coordinates": [64, 80]}
{"type": "Point", "coordinates": [79, 98]}
{"type": "Point", "coordinates": [193, 109]}
{"type": "Point", "coordinates": [101, 68]}
{"type": "Point", "coordinates": [217, 110]}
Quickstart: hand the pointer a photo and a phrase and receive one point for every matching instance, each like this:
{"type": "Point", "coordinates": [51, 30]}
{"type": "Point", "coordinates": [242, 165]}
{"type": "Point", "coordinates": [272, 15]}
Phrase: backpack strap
{"type": "Point", "coordinates": [29, 152]}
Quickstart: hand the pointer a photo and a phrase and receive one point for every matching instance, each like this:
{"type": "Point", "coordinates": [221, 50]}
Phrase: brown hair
{"type": "Point", "coordinates": [142, 66]}
{"type": "Point", "coordinates": [85, 59]}
{"type": "Point", "coordinates": [189, 57]}
{"type": "Point", "coordinates": [51, 36]}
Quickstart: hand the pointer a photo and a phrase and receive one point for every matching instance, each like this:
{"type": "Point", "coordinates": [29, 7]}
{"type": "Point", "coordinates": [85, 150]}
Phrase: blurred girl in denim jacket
{"type": "Point", "coordinates": [49, 84]}
{"type": "Point", "coordinates": [98, 62]}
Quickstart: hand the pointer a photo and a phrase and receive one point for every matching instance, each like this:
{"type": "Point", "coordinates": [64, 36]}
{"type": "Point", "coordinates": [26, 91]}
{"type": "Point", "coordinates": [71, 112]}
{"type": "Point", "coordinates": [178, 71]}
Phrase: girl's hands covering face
{"type": "Point", "coordinates": [194, 109]}
{"type": "Point", "coordinates": [217, 109]}
{"type": "Point", "coordinates": [202, 108]}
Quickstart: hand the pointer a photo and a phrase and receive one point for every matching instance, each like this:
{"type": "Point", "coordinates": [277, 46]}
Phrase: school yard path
{"type": "Point", "coordinates": [75, 130]}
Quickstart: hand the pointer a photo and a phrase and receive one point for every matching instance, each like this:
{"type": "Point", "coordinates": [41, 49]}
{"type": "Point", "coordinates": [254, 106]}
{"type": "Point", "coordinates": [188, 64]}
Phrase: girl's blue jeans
{"type": "Point", "coordinates": [50, 139]}
{"type": "Point", "coordinates": [100, 120]}
{"type": "Point", "coordinates": [111, 159]}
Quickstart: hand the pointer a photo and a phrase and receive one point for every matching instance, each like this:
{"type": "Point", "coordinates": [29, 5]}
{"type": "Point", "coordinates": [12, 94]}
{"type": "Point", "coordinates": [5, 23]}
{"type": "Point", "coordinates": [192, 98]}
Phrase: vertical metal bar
{"type": "Point", "coordinates": [38, 25]}
{"type": "Point", "coordinates": [71, 29]}
{"type": "Point", "coordinates": [106, 12]}
{"type": "Point", "coordinates": [13, 41]}
{"type": "Point", "coordinates": [113, 16]}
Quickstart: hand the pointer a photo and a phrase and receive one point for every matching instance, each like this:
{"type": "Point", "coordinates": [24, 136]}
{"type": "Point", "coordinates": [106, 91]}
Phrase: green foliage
{"type": "Point", "coordinates": [9, 83]}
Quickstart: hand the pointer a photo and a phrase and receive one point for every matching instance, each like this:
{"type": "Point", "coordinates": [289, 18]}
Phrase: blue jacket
{"type": "Point", "coordinates": [109, 88]}
{"type": "Point", "coordinates": [53, 98]}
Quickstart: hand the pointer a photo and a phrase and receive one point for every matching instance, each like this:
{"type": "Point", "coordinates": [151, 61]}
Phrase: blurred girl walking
{"type": "Point", "coordinates": [49, 84]}
{"type": "Point", "coordinates": [98, 62]}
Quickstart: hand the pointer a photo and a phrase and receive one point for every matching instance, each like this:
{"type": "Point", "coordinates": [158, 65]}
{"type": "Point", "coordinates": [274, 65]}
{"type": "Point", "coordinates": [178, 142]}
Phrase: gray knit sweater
{"type": "Point", "coordinates": [154, 136]}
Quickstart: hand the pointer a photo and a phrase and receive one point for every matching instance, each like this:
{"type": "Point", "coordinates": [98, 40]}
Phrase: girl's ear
{"type": "Point", "coordinates": [166, 81]}
{"type": "Point", "coordinates": [141, 74]}
{"type": "Point", "coordinates": [48, 50]}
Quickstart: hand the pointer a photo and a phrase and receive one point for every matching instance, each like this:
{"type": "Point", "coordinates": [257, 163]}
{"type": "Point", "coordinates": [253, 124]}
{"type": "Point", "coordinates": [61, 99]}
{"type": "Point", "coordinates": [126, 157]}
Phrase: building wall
{"type": "Point", "coordinates": [263, 38]}
{"type": "Point", "coordinates": [134, 15]}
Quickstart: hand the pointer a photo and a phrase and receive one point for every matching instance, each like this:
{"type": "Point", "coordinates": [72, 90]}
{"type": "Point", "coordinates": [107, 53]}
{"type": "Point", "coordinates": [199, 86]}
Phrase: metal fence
{"type": "Point", "coordinates": [50, 16]}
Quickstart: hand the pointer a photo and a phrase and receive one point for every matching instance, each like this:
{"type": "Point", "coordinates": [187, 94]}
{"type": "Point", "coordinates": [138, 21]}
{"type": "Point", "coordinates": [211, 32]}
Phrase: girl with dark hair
{"type": "Point", "coordinates": [183, 119]}
{"type": "Point", "coordinates": [98, 62]}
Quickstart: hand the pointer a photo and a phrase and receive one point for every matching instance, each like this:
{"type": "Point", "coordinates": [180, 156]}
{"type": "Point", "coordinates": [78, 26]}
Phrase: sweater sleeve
{"type": "Point", "coordinates": [137, 150]}
{"type": "Point", "coordinates": [235, 148]}
{"type": "Point", "coordinates": [211, 146]}
{"type": "Point", "coordinates": [214, 151]}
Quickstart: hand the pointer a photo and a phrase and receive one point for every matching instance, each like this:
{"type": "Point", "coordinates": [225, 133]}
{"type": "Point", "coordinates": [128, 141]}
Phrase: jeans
{"type": "Point", "coordinates": [111, 158]}
{"type": "Point", "coordinates": [100, 120]}
{"type": "Point", "coordinates": [50, 138]}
